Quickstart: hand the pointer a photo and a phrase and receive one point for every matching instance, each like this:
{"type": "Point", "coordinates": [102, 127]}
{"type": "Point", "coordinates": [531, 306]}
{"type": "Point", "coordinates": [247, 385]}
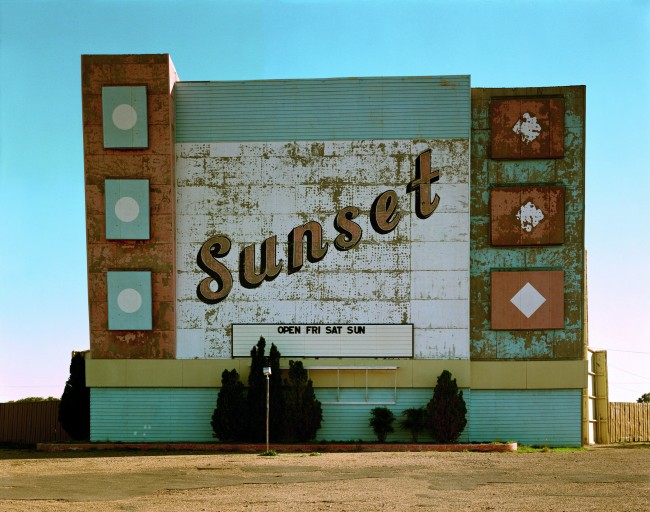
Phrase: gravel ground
{"type": "Point", "coordinates": [600, 479]}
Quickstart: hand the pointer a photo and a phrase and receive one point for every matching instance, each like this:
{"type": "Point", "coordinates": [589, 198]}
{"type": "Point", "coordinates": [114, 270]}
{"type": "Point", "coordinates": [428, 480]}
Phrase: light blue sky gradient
{"type": "Point", "coordinates": [604, 45]}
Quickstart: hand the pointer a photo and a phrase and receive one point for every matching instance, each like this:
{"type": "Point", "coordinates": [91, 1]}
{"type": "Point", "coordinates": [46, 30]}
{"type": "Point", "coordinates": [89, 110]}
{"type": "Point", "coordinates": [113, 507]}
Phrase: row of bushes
{"type": "Point", "coordinates": [444, 417]}
{"type": "Point", "coordinates": [296, 414]}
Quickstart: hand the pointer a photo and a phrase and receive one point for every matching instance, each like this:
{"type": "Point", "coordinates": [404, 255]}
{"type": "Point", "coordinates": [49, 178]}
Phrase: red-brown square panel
{"type": "Point", "coordinates": [526, 128]}
{"type": "Point", "coordinates": [527, 300]}
{"type": "Point", "coordinates": [527, 216]}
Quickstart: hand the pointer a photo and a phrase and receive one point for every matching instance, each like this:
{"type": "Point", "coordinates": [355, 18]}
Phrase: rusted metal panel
{"type": "Point", "coordinates": [527, 300]}
{"type": "Point", "coordinates": [527, 215]}
{"type": "Point", "coordinates": [523, 128]}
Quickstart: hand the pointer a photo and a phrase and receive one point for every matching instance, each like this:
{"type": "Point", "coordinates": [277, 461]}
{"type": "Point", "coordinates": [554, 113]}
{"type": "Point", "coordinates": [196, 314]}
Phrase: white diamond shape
{"type": "Point", "coordinates": [528, 300]}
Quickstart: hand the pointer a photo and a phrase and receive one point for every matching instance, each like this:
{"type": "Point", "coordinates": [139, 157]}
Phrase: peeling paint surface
{"type": "Point", "coordinates": [529, 216]}
{"type": "Point", "coordinates": [417, 273]}
{"type": "Point", "coordinates": [527, 127]}
{"type": "Point", "coordinates": [548, 173]}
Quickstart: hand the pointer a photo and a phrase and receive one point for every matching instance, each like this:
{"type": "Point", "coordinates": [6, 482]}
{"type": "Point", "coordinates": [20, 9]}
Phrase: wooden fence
{"type": "Point", "coordinates": [31, 423]}
{"type": "Point", "coordinates": [629, 422]}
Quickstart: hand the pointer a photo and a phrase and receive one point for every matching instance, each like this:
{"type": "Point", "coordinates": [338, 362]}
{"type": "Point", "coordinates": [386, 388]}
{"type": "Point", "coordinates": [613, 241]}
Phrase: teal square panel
{"type": "Point", "coordinates": [124, 111]}
{"type": "Point", "coordinates": [127, 209]}
{"type": "Point", "coordinates": [129, 301]}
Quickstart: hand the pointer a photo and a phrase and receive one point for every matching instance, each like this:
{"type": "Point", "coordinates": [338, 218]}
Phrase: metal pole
{"type": "Point", "coordinates": [267, 413]}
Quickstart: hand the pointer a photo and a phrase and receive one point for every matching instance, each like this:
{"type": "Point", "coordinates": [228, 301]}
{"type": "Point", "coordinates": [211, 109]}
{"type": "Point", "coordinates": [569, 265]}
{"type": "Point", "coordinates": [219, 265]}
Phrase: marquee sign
{"type": "Point", "coordinates": [326, 340]}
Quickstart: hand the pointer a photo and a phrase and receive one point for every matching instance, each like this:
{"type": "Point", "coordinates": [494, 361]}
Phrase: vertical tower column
{"type": "Point", "coordinates": [128, 127]}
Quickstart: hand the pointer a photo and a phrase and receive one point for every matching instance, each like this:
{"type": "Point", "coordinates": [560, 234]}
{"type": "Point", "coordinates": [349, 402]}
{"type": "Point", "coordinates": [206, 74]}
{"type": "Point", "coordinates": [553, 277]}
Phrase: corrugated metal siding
{"type": "Point", "coordinates": [325, 109]}
{"type": "Point", "coordinates": [546, 417]}
{"type": "Point", "coordinates": [152, 414]}
{"type": "Point", "coordinates": [550, 417]}
{"type": "Point", "coordinates": [184, 414]}
{"type": "Point", "coordinates": [350, 422]}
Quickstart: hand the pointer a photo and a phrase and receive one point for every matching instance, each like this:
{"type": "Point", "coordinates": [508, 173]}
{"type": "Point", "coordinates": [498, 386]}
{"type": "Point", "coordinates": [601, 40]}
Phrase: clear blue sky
{"type": "Point", "coordinates": [604, 45]}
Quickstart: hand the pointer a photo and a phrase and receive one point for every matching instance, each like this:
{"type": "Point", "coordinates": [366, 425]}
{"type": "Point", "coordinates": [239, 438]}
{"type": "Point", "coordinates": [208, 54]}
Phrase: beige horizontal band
{"type": "Point", "coordinates": [405, 373]}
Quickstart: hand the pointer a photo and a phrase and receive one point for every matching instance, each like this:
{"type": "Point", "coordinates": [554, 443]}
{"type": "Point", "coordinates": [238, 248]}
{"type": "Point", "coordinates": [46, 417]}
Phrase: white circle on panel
{"type": "Point", "coordinates": [129, 300]}
{"type": "Point", "coordinates": [127, 209]}
{"type": "Point", "coordinates": [124, 116]}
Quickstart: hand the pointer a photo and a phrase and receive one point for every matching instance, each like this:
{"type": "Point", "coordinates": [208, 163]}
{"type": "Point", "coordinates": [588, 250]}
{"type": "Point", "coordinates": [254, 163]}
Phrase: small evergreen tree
{"type": "Point", "coordinates": [414, 421]}
{"type": "Point", "coordinates": [256, 399]}
{"type": "Point", "coordinates": [644, 398]}
{"type": "Point", "coordinates": [230, 418]}
{"type": "Point", "coordinates": [381, 421]}
{"type": "Point", "coordinates": [276, 396]}
{"type": "Point", "coordinates": [446, 411]}
{"type": "Point", "coordinates": [74, 408]}
{"type": "Point", "coordinates": [302, 411]}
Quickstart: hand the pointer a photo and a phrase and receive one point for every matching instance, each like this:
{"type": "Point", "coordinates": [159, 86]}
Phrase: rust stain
{"type": "Point", "coordinates": [446, 83]}
{"type": "Point", "coordinates": [527, 215]}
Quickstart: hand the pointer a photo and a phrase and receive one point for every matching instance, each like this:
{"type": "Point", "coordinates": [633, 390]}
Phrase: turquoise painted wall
{"type": "Point", "coordinates": [327, 109]}
{"type": "Point", "coordinates": [183, 414]}
{"type": "Point", "coordinates": [343, 422]}
{"type": "Point", "coordinates": [151, 414]}
{"type": "Point", "coordinates": [544, 417]}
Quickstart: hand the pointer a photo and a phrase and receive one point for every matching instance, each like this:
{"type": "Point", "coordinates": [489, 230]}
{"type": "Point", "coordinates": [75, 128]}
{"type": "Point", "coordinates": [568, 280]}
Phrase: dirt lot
{"type": "Point", "coordinates": [604, 478]}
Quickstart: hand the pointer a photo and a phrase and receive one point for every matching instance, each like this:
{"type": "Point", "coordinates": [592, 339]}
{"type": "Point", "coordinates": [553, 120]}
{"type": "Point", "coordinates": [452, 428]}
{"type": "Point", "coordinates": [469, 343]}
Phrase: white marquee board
{"type": "Point", "coordinates": [326, 340]}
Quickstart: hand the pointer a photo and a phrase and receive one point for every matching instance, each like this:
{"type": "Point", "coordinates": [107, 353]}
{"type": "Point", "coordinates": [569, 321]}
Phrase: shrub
{"type": "Point", "coordinates": [414, 421]}
{"type": "Point", "coordinates": [303, 413]}
{"type": "Point", "coordinates": [230, 417]}
{"type": "Point", "coordinates": [74, 408]}
{"type": "Point", "coordinates": [381, 421]}
{"type": "Point", "coordinates": [446, 411]}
